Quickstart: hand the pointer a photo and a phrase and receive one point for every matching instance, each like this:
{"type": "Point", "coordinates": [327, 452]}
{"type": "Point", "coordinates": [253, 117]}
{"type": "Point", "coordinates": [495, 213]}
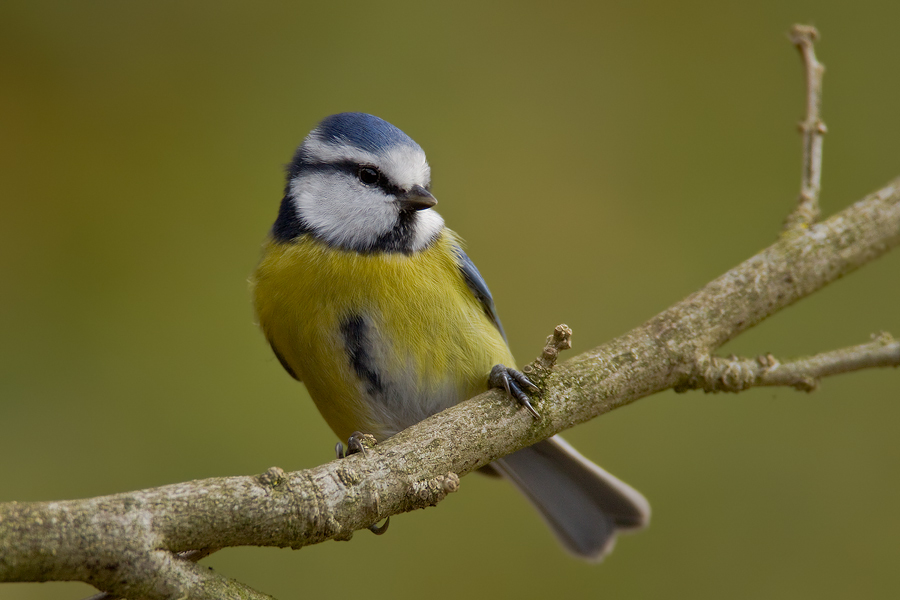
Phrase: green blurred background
{"type": "Point", "coordinates": [602, 162]}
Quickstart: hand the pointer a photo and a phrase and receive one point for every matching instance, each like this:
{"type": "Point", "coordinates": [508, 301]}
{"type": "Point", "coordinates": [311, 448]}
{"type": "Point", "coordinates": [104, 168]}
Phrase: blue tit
{"type": "Point", "coordinates": [367, 298]}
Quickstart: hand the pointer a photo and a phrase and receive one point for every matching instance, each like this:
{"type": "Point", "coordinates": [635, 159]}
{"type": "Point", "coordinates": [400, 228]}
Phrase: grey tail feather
{"type": "Point", "coordinates": [584, 505]}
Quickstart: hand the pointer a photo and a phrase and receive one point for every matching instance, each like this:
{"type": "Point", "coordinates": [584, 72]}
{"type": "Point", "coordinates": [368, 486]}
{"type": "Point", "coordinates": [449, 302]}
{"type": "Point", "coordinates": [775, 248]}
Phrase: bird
{"type": "Point", "coordinates": [366, 297]}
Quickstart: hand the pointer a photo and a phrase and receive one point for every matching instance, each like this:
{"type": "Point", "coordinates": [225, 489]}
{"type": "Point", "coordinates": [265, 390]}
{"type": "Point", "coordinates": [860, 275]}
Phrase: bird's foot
{"type": "Point", "coordinates": [356, 444]}
{"type": "Point", "coordinates": [513, 382]}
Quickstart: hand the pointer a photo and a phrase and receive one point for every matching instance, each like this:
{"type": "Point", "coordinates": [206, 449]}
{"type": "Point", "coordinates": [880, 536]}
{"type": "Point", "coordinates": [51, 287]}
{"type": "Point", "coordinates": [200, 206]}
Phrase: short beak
{"type": "Point", "coordinates": [417, 198]}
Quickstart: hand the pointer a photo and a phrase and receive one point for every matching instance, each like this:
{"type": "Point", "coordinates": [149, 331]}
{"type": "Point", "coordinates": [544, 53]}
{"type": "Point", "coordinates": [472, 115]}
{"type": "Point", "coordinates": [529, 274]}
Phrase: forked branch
{"type": "Point", "coordinates": [735, 374]}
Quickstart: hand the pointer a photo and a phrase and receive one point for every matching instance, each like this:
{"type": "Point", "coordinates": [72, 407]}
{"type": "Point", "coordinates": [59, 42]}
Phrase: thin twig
{"type": "Point", "coordinates": [560, 340]}
{"type": "Point", "coordinates": [813, 131]}
{"type": "Point", "coordinates": [717, 374]}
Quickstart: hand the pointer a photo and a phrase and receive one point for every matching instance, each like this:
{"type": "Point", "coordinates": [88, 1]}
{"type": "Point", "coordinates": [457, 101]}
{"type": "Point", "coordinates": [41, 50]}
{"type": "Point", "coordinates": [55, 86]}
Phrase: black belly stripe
{"type": "Point", "coordinates": [354, 330]}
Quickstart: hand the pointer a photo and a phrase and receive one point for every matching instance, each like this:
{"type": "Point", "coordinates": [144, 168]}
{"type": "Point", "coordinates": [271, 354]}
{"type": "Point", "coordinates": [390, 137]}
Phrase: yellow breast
{"type": "Point", "coordinates": [380, 340]}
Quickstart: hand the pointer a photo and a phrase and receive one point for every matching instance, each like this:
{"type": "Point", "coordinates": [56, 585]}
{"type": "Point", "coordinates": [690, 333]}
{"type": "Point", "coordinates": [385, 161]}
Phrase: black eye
{"type": "Point", "coordinates": [368, 175]}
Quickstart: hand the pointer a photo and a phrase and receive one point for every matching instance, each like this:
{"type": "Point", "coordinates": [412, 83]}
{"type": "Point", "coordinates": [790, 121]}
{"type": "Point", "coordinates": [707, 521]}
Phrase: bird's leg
{"type": "Point", "coordinates": [513, 381]}
{"type": "Point", "coordinates": [355, 445]}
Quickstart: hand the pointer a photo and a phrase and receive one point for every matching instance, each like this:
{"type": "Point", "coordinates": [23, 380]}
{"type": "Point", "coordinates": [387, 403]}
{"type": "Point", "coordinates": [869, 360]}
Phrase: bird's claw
{"type": "Point", "coordinates": [380, 529]}
{"type": "Point", "coordinates": [513, 381]}
{"type": "Point", "coordinates": [355, 444]}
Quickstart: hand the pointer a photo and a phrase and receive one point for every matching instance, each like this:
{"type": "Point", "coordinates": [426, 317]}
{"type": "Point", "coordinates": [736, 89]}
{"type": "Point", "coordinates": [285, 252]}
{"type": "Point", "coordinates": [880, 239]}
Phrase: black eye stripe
{"type": "Point", "coordinates": [353, 169]}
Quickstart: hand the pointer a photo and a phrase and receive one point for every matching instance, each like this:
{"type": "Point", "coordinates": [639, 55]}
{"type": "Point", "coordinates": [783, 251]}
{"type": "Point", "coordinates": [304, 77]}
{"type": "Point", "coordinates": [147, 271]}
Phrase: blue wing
{"type": "Point", "coordinates": [479, 288]}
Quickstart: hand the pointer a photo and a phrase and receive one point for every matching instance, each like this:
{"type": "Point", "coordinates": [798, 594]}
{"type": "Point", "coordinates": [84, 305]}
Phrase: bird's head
{"type": "Point", "coordinates": [359, 183]}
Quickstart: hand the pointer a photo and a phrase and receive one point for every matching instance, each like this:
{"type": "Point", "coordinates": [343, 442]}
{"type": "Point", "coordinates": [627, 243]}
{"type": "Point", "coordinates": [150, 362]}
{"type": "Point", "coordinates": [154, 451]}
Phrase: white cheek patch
{"type": "Point", "coordinates": [341, 211]}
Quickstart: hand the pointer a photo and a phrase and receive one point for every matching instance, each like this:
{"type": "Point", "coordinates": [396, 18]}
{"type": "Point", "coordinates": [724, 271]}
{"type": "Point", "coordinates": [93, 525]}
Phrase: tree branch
{"type": "Point", "coordinates": [128, 544]}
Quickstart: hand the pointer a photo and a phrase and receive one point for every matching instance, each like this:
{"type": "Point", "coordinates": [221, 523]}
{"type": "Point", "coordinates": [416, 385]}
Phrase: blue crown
{"type": "Point", "coordinates": [366, 132]}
